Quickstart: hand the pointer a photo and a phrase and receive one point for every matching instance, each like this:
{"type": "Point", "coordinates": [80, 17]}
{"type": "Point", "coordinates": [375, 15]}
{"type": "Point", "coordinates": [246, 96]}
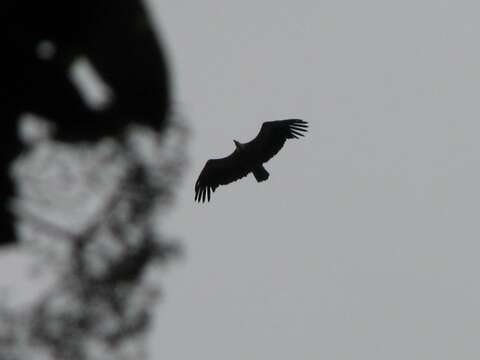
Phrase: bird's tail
{"type": "Point", "coordinates": [260, 173]}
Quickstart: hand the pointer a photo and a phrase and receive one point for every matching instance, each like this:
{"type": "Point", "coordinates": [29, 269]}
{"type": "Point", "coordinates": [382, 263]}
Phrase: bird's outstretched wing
{"type": "Point", "coordinates": [219, 172]}
{"type": "Point", "coordinates": [273, 135]}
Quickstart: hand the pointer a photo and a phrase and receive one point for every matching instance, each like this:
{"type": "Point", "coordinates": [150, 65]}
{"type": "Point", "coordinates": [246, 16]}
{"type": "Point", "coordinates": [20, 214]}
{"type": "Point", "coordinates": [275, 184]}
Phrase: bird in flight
{"type": "Point", "coordinates": [248, 158]}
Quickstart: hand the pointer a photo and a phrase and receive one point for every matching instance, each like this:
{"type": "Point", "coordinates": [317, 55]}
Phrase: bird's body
{"type": "Point", "coordinates": [248, 157]}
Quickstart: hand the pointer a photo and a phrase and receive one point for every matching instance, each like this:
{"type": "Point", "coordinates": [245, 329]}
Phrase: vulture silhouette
{"type": "Point", "coordinates": [248, 158]}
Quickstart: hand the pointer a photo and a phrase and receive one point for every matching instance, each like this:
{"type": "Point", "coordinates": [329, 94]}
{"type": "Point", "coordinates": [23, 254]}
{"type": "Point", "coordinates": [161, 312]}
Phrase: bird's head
{"type": "Point", "coordinates": [238, 145]}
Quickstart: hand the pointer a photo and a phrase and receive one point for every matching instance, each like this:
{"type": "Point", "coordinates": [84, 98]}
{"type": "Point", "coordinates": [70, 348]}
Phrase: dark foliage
{"type": "Point", "coordinates": [86, 204]}
{"type": "Point", "coordinates": [117, 39]}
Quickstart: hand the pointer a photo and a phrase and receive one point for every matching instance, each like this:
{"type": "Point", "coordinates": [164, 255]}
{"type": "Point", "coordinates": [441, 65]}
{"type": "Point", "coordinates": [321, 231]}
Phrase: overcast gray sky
{"type": "Point", "coordinates": [364, 242]}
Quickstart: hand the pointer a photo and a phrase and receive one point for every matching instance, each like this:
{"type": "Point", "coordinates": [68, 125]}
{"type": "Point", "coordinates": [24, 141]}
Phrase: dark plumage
{"type": "Point", "coordinates": [248, 158]}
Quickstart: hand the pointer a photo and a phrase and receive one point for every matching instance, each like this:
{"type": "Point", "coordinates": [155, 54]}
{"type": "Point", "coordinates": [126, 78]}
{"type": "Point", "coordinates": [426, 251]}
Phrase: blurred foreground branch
{"type": "Point", "coordinates": [88, 192]}
{"type": "Point", "coordinates": [101, 257]}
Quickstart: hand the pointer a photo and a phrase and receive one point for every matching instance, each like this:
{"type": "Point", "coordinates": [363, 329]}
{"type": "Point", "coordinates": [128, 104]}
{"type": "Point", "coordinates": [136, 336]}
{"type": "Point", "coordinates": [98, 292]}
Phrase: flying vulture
{"type": "Point", "coordinates": [248, 158]}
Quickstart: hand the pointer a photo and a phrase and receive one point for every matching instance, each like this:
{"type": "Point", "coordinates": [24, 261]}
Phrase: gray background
{"type": "Point", "coordinates": [363, 244]}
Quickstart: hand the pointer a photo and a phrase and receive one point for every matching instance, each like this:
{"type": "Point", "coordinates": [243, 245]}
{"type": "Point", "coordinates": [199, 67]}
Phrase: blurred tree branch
{"type": "Point", "coordinates": [41, 44]}
{"type": "Point", "coordinates": [88, 194]}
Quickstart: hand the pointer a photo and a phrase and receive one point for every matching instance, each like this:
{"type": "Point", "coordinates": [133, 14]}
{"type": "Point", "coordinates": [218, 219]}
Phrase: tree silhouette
{"type": "Point", "coordinates": [41, 42]}
{"type": "Point", "coordinates": [88, 194]}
